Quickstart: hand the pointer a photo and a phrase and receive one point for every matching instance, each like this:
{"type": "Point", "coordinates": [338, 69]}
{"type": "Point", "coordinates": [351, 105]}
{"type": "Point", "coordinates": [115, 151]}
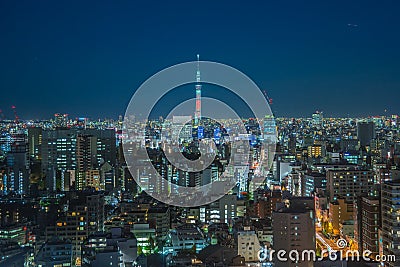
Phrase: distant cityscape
{"type": "Point", "coordinates": [68, 198]}
{"type": "Point", "coordinates": [199, 134]}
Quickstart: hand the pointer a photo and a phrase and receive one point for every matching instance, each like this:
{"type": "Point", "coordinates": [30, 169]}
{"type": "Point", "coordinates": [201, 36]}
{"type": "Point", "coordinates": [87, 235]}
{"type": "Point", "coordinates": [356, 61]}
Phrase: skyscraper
{"type": "Point", "coordinates": [197, 114]}
{"type": "Point", "coordinates": [86, 152]}
{"type": "Point", "coordinates": [72, 149]}
{"type": "Point", "coordinates": [18, 163]}
{"type": "Point", "coordinates": [318, 119]}
{"type": "Point", "coordinates": [35, 142]}
{"type": "Point", "coordinates": [365, 132]}
{"type": "Point", "coordinates": [58, 154]}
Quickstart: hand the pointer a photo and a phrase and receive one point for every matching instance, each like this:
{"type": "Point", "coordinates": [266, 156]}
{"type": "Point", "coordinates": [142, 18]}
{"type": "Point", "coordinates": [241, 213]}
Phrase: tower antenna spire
{"type": "Point", "coordinates": [198, 68]}
{"type": "Point", "coordinates": [197, 114]}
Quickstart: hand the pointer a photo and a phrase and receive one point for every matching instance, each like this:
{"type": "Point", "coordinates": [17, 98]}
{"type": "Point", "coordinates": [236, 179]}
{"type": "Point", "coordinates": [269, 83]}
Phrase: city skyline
{"type": "Point", "coordinates": [195, 134]}
{"type": "Point", "coordinates": [87, 193]}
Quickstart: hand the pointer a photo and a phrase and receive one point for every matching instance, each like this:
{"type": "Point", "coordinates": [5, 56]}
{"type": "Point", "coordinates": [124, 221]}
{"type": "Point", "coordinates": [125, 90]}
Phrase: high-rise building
{"type": "Point", "coordinates": [58, 154]}
{"type": "Point", "coordinates": [318, 119]}
{"type": "Point", "coordinates": [310, 182]}
{"type": "Point", "coordinates": [197, 114]}
{"type": "Point", "coordinates": [390, 208]}
{"type": "Point", "coordinates": [86, 152]}
{"type": "Point", "coordinates": [35, 143]}
{"type": "Point", "coordinates": [74, 149]}
{"type": "Point", "coordinates": [108, 176]}
{"type": "Point", "coordinates": [365, 132]}
{"type": "Point", "coordinates": [18, 166]}
{"type": "Point", "coordinates": [58, 149]}
{"type": "Point", "coordinates": [267, 203]}
{"type": "Point", "coordinates": [194, 179]}
{"type": "Point", "coordinates": [106, 144]}
{"type": "Point", "coordinates": [294, 228]}
{"type": "Point", "coordinates": [86, 162]}
{"type": "Point", "coordinates": [349, 184]}
{"type": "Point", "coordinates": [209, 175]}
{"type": "Point", "coordinates": [5, 142]}
{"type": "Point", "coordinates": [367, 222]}
{"type": "Point", "coordinates": [292, 143]}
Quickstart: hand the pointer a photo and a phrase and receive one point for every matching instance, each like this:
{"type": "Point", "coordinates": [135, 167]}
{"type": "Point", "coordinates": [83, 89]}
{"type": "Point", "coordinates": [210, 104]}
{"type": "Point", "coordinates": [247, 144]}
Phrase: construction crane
{"type": "Point", "coordinates": [269, 100]}
{"type": "Point", "coordinates": [15, 113]}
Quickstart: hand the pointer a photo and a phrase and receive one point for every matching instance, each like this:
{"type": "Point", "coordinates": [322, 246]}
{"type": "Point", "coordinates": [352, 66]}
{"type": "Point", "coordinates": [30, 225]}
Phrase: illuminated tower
{"type": "Point", "coordinates": [197, 114]}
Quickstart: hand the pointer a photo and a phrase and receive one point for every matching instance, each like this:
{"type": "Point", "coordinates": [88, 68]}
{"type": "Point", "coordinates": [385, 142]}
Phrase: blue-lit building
{"type": "Point", "coordinates": [312, 181]}
{"type": "Point", "coordinates": [351, 157]}
{"type": "Point", "coordinates": [17, 174]}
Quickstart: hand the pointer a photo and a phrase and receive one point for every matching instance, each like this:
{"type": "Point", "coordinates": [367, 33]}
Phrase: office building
{"type": "Point", "coordinates": [294, 228]}
{"type": "Point", "coordinates": [349, 184]}
{"type": "Point", "coordinates": [35, 143]}
{"type": "Point", "coordinates": [311, 182]}
{"type": "Point", "coordinates": [78, 150]}
{"type": "Point", "coordinates": [367, 214]}
{"type": "Point", "coordinates": [318, 119]}
{"type": "Point", "coordinates": [365, 132]}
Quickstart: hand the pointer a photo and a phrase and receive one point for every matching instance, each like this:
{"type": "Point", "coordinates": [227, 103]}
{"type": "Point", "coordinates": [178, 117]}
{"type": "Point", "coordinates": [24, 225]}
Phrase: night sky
{"type": "Point", "coordinates": [87, 58]}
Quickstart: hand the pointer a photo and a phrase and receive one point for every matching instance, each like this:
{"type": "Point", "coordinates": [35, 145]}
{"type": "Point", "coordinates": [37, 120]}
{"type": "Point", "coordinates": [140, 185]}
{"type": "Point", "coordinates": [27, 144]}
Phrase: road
{"type": "Point", "coordinates": [329, 244]}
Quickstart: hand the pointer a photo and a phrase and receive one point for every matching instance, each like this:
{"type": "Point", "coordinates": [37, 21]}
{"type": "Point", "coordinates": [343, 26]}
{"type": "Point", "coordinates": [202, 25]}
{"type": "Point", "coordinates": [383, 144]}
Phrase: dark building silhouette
{"type": "Point", "coordinates": [365, 132]}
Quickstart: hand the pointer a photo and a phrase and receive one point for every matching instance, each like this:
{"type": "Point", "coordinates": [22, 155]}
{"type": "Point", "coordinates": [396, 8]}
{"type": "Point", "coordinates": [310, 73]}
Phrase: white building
{"type": "Point", "coordinates": [185, 237]}
{"type": "Point", "coordinates": [248, 245]}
